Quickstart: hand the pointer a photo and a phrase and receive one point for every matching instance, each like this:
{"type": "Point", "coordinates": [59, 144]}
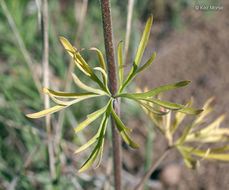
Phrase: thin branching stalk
{"type": "Point", "coordinates": [128, 28]}
{"type": "Point", "coordinates": [109, 46]}
{"type": "Point", "coordinates": [22, 47]}
{"type": "Point", "coordinates": [45, 64]}
{"type": "Point", "coordinates": [148, 174]}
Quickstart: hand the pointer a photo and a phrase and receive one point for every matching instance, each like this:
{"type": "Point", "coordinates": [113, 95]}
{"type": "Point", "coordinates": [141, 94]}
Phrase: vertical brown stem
{"type": "Point", "coordinates": [108, 40]}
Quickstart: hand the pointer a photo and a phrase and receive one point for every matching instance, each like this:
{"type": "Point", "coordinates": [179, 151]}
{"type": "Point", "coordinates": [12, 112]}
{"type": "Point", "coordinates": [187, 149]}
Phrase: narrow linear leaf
{"type": "Point", "coordinates": [85, 87]}
{"type": "Point", "coordinates": [90, 160]}
{"type": "Point", "coordinates": [104, 75]}
{"type": "Point", "coordinates": [66, 94]}
{"type": "Point", "coordinates": [100, 155]}
{"type": "Point", "coordinates": [161, 89]}
{"type": "Point", "coordinates": [121, 128]}
{"type": "Point", "coordinates": [141, 102]}
{"type": "Point", "coordinates": [68, 103]}
{"type": "Point", "coordinates": [46, 111]}
{"type": "Point", "coordinates": [144, 39]}
{"type": "Point", "coordinates": [90, 118]}
{"type": "Point", "coordinates": [119, 122]}
{"type": "Point", "coordinates": [148, 63]}
{"type": "Point", "coordinates": [101, 59]}
{"type": "Point", "coordinates": [86, 145]}
{"type": "Point", "coordinates": [67, 45]}
{"type": "Point", "coordinates": [202, 153]}
{"type": "Point", "coordinates": [164, 104]}
{"type": "Point", "coordinates": [179, 117]}
{"type": "Point", "coordinates": [190, 111]}
{"type": "Point", "coordinates": [120, 63]}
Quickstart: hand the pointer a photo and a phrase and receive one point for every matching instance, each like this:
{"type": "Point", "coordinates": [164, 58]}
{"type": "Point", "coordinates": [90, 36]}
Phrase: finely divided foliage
{"type": "Point", "coordinates": [146, 99]}
{"type": "Point", "coordinates": [194, 135]}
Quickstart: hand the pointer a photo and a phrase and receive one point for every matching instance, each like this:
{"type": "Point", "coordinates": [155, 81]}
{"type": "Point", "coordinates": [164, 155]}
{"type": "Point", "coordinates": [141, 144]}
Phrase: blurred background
{"type": "Point", "coordinates": [191, 39]}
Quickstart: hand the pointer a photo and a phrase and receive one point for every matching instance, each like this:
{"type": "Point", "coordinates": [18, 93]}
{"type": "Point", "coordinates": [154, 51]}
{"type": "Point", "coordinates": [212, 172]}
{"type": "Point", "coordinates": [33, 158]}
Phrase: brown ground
{"type": "Point", "coordinates": [200, 53]}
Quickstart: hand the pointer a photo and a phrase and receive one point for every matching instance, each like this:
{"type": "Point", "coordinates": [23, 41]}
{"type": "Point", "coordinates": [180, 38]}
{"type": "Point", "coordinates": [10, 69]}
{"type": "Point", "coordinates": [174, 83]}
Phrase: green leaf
{"type": "Point", "coordinates": [147, 106]}
{"type": "Point", "coordinates": [121, 128]}
{"type": "Point", "coordinates": [46, 111]}
{"type": "Point", "coordinates": [99, 147]}
{"type": "Point", "coordinates": [140, 51]}
{"type": "Point", "coordinates": [67, 45]}
{"type": "Point", "coordinates": [164, 104]}
{"type": "Point", "coordinates": [86, 145]}
{"type": "Point", "coordinates": [66, 94]}
{"type": "Point", "coordinates": [161, 89]}
{"type": "Point", "coordinates": [80, 62]}
{"type": "Point", "coordinates": [101, 59]}
{"type": "Point", "coordinates": [91, 118]}
{"type": "Point", "coordinates": [143, 42]}
{"type": "Point", "coordinates": [210, 155]}
{"type": "Point", "coordinates": [151, 59]}
{"type": "Point", "coordinates": [91, 159]}
{"type": "Point", "coordinates": [120, 63]}
{"type": "Point", "coordinates": [85, 87]}
{"type": "Point", "coordinates": [190, 111]}
{"type": "Point", "coordinates": [179, 117]}
{"type": "Point", "coordinates": [104, 74]}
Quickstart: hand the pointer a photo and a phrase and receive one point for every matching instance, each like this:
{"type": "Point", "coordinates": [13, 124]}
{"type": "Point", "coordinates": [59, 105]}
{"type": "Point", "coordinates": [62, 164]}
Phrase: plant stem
{"type": "Point", "coordinates": [45, 64]}
{"type": "Point", "coordinates": [108, 40]}
{"type": "Point", "coordinates": [148, 174]}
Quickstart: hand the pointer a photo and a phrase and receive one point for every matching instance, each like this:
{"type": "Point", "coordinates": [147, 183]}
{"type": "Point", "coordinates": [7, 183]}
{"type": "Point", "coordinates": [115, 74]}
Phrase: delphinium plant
{"type": "Point", "coordinates": [106, 87]}
{"type": "Point", "coordinates": [145, 99]}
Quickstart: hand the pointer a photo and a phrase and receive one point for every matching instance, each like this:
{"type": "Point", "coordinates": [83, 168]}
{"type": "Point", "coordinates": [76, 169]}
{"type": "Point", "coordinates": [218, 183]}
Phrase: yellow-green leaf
{"type": "Point", "coordinates": [161, 89]}
{"type": "Point", "coordinates": [151, 59]}
{"type": "Point", "coordinates": [67, 45]}
{"type": "Point", "coordinates": [143, 42]}
{"type": "Point", "coordinates": [91, 159]}
{"type": "Point", "coordinates": [101, 59]}
{"type": "Point", "coordinates": [46, 111]}
{"type": "Point", "coordinates": [86, 87]}
{"type": "Point", "coordinates": [190, 111]}
{"type": "Point", "coordinates": [164, 104]}
{"type": "Point", "coordinates": [66, 94]}
{"type": "Point", "coordinates": [120, 63]}
{"type": "Point", "coordinates": [90, 118]}
{"type": "Point", "coordinates": [121, 128]}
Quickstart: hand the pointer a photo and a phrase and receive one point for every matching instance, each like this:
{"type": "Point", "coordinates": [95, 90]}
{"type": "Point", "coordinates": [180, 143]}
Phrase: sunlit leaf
{"type": "Point", "coordinates": [104, 74]}
{"type": "Point", "coordinates": [190, 111]}
{"type": "Point", "coordinates": [164, 104]}
{"type": "Point", "coordinates": [151, 59]}
{"type": "Point", "coordinates": [161, 89]}
{"type": "Point", "coordinates": [179, 117]}
{"type": "Point", "coordinates": [120, 63]}
{"type": "Point", "coordinates": [86, 87]}
{"type": "Point", "coordinates": [86, 145]}
{"type": "Point", "coordinates": [189, 160]}
{"type": "Point", "coordinates": [101, 59]}
{"type": "Point", "coordinates": [121, 128]}
{"type": "Point", "coordinates": [66, 94]}
{"type": "Point", "coordinates": [210, 155]}
{"type": "Point", "coordinates": [147, 106]}
{"type": "Point", "coordinates": [143, 42]}
{"type": "Point", "coordinates": [67, 46]}
{"type": "Point", "coordinates": [90, 118]}
{"type": "Point", "coordinates": [46, 111]}
{"type": "Point", "coordinates": [91, 159]}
